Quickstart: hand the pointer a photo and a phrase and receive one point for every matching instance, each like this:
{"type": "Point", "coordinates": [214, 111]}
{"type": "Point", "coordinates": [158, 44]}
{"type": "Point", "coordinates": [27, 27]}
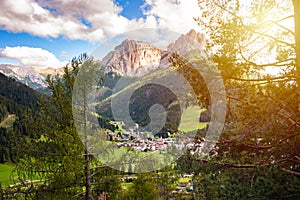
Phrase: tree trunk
{"type": "Point", "coordinates": [87, 156]}
{"type": "Point", "coordinates": [296, 4]}
{"type": "Point", "coordinates": [87, 176]}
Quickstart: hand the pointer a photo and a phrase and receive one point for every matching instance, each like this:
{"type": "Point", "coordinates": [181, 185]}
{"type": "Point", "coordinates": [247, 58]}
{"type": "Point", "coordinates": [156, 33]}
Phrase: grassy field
{"type": "Point", "coordinates": [190, 119]}
{"type": "Point", "coordinates": [5, 174]}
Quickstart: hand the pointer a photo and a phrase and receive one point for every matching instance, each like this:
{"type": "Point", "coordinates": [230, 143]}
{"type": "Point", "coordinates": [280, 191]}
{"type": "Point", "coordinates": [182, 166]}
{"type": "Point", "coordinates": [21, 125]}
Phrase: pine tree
{"type": "Point", "coordinates": [57, 163]}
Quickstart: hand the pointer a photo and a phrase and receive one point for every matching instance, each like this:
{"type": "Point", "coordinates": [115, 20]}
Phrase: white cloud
{"type": "Point", "coordinates": [177, 15]}
{"type": "Point", "coordinates": [93, 20]}
{"type": "Point", "coordinates": [31, 57]}
{"type": "Point", "coordinates": [66, 18]}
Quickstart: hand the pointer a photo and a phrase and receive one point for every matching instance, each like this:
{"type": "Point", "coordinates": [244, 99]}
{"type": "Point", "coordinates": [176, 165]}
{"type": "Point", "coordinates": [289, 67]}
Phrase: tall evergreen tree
{"type": "Point", "coordinates": [56, 161]}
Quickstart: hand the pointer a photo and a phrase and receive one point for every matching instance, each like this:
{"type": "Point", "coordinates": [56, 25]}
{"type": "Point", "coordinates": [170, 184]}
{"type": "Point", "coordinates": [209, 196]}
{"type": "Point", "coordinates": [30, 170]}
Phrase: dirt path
{"type": "Point", "coordinates": [6, 119]}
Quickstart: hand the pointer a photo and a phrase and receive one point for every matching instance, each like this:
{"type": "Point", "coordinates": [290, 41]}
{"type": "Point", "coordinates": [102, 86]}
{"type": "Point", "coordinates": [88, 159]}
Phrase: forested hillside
{"type": "Point", "coordinates": [16, 96]}
{"type": "Point", "coordinates": [16, 101]}
{"type": "Point", "coordinates": [3, 112]}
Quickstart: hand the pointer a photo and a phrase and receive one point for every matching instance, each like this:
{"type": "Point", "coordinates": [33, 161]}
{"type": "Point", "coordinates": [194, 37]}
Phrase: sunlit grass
{"type": "Point", "coordinates": [6, 174]}
{"type": "Point", "coordinates": [8, 122]}
{"type": "Point", "coordinates": [190, 119]}
{"type": "Point", "coordinates": [184, 180]}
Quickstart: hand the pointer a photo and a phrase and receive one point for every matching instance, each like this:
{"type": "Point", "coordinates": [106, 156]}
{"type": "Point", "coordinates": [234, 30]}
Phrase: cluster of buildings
{"type": "Point", "coordinates": [147, 145]}
{"type": "Point", "coordinates": [146, 142]}
{"type": "Point", "coordinates": [140, 141]}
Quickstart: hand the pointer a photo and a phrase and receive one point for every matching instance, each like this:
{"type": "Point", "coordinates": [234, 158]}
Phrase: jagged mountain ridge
{"type": "Point", "coordinates": [131, 58]}
{"type": "Point", "coordinates": [30, 76]}
{"type": "Point", "coordinates": [128, 57]}
{"type": "Point", "coordinates": [185, 43]}
{"type": "Point", "coordinates": [136, 58]}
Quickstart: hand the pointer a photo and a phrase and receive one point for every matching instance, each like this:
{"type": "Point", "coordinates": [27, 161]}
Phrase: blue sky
{"type": "Point", "coordinates": [131, 9]}
{"type": "Point", "coordinates": [48, 33]}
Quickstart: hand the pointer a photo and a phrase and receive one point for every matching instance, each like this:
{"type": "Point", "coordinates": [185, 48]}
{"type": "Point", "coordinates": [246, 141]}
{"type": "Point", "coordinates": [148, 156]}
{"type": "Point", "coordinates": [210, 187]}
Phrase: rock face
{"type": "Point", "coordinates": [191, 40]}
{"type": "Point", "coordinates": [185, 43]}
{"type": "Point", "coordinates": [135, 58]}
{"type": "Point", "coordinates": [132, 58]}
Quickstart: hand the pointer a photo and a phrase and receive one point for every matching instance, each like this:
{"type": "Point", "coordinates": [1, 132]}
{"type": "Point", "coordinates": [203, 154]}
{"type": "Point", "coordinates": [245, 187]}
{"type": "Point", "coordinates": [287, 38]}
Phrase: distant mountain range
{"type": "Point", "coordinates": [136, 63]}
{"type": "Point", "coordinates": [131, 58]}
{"type": "Point", "coordinates": [30, 76]}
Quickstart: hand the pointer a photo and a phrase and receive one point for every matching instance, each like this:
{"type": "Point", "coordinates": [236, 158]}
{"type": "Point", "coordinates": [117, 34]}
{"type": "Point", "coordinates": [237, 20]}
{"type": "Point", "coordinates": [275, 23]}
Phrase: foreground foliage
{"type": "Point", "coordinates": [257, 156]}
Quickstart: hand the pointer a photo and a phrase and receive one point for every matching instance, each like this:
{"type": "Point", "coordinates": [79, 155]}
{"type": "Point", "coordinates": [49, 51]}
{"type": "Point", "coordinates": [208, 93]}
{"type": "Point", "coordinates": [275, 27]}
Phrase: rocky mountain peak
{"type": "Point", "coordinates": [185, 43]}
{"type": "Point", "coordinates": [132, 58]}
{"type": "Point", "coordinates": [135, 58]}
{"type": "Point", "coordinates": [131, 44]}
{"type": "Point", "coordinates": [197, 37]}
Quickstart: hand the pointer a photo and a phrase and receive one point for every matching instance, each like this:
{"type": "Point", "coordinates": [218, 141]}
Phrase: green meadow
{"type": "Point", "coordinates": [6, 174]}
{"type": "Point", "coordinates": [190, 119]}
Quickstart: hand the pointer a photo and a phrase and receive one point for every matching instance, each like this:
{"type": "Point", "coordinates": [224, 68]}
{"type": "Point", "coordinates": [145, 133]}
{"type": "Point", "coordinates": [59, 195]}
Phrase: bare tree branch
{"type": "Point", "coordinates": [273, 38]}
{"type": "Point", "coordinates": [291, 172]}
